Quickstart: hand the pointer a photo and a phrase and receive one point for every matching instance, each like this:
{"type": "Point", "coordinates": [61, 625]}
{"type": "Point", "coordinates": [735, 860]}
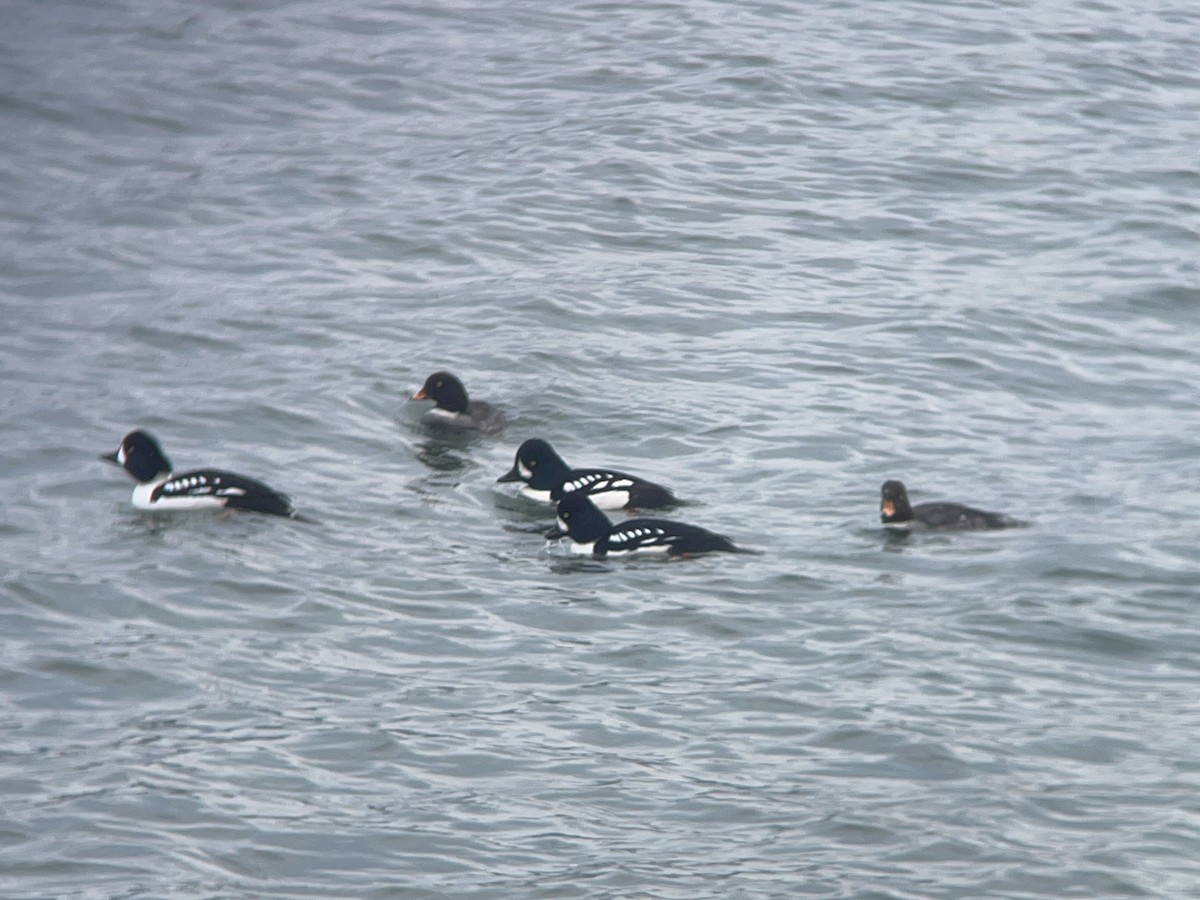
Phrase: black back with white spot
{"type": "Point", "coordinates": [642, 494]}
{"type": "Point", "coordinates": [548, 472]}
{"type": "Point", "coordinates": [585, 524]}
{"type": "Point", "coordinates": [238, 491]}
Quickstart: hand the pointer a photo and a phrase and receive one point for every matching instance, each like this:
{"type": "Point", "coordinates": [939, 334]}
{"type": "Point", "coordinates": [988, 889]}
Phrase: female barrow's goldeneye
{"type": "Point", "coordinates": [896, 512]}
{"type": "Point", "coordinates": [592, 533]}
{"type": "Point", "coordinates": [547, 479]}
{"type": "Point", "coordinates": [159, 488]}
{"type": "Point", "coordinates": [453, 410]}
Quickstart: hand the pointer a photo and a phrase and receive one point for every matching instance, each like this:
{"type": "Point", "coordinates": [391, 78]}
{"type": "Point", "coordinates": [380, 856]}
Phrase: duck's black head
{"type": "Point", "coordinates": [445, 390]}
{"type": "Point", "coordinates": [140, 456]}
{"type": "Point", "coordinates": [537, 465]}
{"type": "Point", "coordinates": [893, 503]}
{"type": "Point", "coordinates": [579, 519]}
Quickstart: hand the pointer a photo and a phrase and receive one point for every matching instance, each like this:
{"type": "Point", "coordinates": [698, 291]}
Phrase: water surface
{"type": "Point", "coordinates": [768, 254]}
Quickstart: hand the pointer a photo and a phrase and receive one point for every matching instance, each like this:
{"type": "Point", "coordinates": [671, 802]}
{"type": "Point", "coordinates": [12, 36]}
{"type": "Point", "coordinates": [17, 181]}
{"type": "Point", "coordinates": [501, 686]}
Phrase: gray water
{"type": "Point", "coordinates": [770, 254]}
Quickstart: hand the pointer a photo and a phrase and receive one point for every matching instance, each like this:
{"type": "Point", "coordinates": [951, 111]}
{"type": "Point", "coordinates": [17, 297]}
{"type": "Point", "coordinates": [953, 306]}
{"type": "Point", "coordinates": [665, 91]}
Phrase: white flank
{"type": "Point", "coordinates": [533, 494]}
{"type": "Point", "coordinates": [141, 499]}
{"type": "Point", "coordinates": [610, 499]}
{"type": "Point", "coordinates": [640, 551]}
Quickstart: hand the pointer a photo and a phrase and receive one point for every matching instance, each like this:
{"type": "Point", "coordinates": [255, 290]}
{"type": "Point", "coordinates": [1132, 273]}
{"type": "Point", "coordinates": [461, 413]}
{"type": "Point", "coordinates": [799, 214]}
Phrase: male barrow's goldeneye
{"type": "Point", "coordinates": [592, 533]}
{"type": "Point", "coordinates": [547, 479]}
{"type": "Point", "coordinates": [160, 489]}
{"type": "Point", "coordinates": [896, 512]}
{"type": "Point", "coordinates": [453, 410]}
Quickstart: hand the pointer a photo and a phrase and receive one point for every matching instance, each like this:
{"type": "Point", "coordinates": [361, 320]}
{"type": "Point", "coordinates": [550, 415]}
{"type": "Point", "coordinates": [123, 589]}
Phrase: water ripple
{"type": "Point", "coordinates": [767, 254]}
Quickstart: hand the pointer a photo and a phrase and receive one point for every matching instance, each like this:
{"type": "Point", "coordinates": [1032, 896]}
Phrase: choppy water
{"type": "Point", "coordinates": [768, 253]}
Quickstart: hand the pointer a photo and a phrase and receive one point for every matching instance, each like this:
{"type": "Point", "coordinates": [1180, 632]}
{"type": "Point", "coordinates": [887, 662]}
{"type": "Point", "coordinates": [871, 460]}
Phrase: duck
{"type": "Point", "coordinates": [160, 488]}
{"type": "Point", "coordinates": [547, 478]}
{"type": "Point", "coordinates": [896, 512]}
{"type": "Point", "coordinates": [592, 533]}
{"type": "Point", "coordinates": [453, 410]}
